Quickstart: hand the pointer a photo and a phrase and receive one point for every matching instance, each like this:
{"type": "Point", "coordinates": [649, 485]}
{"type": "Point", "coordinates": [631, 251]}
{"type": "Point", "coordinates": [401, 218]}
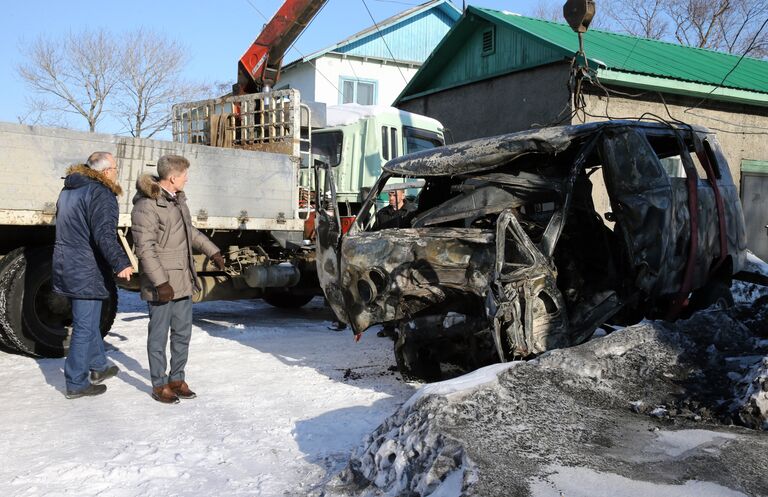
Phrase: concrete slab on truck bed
{"type": "Point", "coordinates": [227, 185]}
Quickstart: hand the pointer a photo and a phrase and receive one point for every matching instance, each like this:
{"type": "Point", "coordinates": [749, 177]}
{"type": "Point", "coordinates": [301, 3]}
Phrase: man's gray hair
{"type": "Point", "coordinates": [99, 161]}
{"type": "Point", "coordinates": [168, 165]}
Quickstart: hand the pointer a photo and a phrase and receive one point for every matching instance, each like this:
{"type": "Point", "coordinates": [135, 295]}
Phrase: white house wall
{"type": "Point", "coordinates": [301, 77]}
{"type": "Point", "coordinates": [322, 82]}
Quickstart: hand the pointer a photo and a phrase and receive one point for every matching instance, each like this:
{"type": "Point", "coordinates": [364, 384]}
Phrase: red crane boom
{"type": "Point", "coordinates": [259, 68]}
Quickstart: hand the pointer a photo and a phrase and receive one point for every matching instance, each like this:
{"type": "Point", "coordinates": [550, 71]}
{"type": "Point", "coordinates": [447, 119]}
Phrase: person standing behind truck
{"type": "Point", "coordinates": [85, 256]}
{"type": "Point", "coordinates": [164, 237]}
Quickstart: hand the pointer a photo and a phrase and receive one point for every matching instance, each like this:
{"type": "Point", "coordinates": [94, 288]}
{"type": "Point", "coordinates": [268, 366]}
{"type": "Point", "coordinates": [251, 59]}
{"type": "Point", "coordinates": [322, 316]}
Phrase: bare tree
{"type": "Point", "coordinates": [549, 11]}
{"type": "Point", "coordinates": [79, 71]}
{"type": "Point", "coordinates": [552, 10]}
{"type": "Point", "coordinates": [645, 18]}
{"type": "Point", "coordinates": [745, 32]}
{"type": "Point", "coordinates": [151, 81]}
{"type": "Point", "coordinates": [733, 26]}
{"type": "Point", "coordinates": [40, 112]}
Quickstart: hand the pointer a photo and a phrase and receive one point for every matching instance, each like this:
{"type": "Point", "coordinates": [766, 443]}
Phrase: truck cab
{"type": "Point", "coordinates": [359, 139]}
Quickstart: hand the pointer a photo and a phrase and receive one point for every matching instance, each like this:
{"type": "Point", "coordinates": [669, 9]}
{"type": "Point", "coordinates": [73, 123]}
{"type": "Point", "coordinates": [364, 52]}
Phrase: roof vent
{"type": "Point", "coordinates": [489, 41]}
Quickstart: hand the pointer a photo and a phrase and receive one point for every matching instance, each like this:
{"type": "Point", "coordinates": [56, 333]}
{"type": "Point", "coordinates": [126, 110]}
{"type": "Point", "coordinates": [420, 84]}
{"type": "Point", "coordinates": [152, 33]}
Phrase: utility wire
{"type": "Point", "coordinates": [257, 10]}
{"type": "Point", "coordinates": [385, 41]}
{"type": "Point", "coordinates": [749, 47]}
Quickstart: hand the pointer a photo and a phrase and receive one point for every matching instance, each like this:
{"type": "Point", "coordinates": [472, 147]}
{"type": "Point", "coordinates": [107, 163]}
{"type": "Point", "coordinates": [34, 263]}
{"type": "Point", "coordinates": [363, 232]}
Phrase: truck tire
{"type": "Point", "coordinates": [33, 319]}
{"type": "Point", "coordinates": [5, 342]}
{"type": "Point", "coordinates": [287, 300]}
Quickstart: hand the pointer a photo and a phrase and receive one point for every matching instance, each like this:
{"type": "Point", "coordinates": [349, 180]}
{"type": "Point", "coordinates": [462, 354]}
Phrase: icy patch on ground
{"type": "Point", "coordinates": [585, 482]}
{"type": "Point", "coordinates": [676, 443]}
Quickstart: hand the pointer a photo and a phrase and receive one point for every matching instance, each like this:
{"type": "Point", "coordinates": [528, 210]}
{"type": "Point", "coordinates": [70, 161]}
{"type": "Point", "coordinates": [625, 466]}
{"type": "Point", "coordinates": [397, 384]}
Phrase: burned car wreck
{"type": "Point", "coordinates": [530, 241]}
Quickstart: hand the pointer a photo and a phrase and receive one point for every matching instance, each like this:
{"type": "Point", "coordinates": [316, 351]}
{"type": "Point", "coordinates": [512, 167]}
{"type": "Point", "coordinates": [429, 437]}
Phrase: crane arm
{"type": "Point", "coordinates": [260, 66]}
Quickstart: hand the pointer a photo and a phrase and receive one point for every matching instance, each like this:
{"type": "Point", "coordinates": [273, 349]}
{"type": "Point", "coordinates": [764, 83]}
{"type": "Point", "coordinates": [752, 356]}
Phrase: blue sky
{"type": "Point", "coordinates": [216, 34]}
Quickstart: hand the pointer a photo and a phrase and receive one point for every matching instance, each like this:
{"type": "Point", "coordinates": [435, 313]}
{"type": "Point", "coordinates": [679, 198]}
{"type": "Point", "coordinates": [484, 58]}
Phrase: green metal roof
{"type": "Point", "coordinates": [663, 64]}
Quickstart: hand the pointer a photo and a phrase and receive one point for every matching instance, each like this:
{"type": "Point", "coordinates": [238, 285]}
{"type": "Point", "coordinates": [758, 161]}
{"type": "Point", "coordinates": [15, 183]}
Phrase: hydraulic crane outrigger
{"type": "Point", "coordinates": [259, 68]}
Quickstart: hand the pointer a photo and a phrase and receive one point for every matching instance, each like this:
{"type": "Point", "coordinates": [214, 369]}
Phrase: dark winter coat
{"type": "Point", "coordinates": [388, 217]}
{"type": "Point", "coordinates": [87, 253]}
{"type": "Point", "coordinates": [164, 236]}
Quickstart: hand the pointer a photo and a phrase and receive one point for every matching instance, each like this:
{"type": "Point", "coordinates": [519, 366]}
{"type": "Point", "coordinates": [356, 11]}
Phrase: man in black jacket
{"type": "Point", "coordinates": [397, 214]}
{"type": "Point", "coordinates": [86, 256]}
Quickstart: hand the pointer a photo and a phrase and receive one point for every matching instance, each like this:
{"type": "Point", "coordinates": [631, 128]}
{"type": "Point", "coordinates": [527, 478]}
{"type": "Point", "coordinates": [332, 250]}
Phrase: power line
{"type": "Point", "coordinates": [257, 10]}
{"type": "Point", "coordinates": [746, 51]}
{"type": "Point", "coordinates": [384, 41]}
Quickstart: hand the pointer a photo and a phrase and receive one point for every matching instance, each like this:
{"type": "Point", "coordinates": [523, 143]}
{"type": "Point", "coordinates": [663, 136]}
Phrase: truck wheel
{"type": "Point", "coordinates": [34, 319]}
{"type": "Point", "coordinates": [4, 341]}
{"type": "Point", "coordinates": [287, 300]}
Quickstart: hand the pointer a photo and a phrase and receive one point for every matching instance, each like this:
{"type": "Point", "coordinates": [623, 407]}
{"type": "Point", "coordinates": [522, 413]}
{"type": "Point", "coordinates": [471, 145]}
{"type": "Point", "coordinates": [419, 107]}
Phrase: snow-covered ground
{"type": "Point", "coordinates": [287, 407]}
{"type": "Point", "coordinates": [282, 401]}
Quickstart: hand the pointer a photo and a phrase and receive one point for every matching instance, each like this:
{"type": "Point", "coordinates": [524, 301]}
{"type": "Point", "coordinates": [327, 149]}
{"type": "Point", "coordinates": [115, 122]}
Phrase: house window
{"type": "Point", "coordinates": [489, 41]}
{"type": "Point", "coordinates": [358, 91]}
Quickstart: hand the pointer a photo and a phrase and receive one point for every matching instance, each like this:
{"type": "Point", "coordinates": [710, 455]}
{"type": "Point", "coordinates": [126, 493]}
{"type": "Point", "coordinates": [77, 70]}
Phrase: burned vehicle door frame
{"type": "Point", "coordinates": [328, 236]}
{"type": "Point", "coordinates": [527, 310]}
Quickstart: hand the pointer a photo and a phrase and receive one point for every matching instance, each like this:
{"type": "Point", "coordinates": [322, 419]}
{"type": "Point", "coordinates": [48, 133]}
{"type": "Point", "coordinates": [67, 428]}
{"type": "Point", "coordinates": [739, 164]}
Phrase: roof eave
{"type": "Point", "coordinates": [396, 19]}
{"type": "Point", "coordinates": [687, 88]}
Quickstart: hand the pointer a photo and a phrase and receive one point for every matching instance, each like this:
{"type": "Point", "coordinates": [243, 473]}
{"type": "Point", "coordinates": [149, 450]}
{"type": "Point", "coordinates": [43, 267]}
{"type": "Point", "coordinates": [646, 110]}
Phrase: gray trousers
{"type": "Point", "coordinates": [175, 316]}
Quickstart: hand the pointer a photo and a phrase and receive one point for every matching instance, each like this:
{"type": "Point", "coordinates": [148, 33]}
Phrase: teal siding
{"type": "Point", "coordinates": [513, 51]}
{"type": "Point", "coordinates": [524, 42]}
{"type": "Point", "coordinates": [411, 40]}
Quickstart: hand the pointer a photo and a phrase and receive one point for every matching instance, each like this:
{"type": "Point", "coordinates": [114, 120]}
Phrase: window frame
{"type": "Point", "coordinates": [355, 82]}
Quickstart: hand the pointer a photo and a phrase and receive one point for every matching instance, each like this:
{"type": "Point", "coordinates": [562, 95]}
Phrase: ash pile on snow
{"type": "Point", "coordinates": [657, 408]}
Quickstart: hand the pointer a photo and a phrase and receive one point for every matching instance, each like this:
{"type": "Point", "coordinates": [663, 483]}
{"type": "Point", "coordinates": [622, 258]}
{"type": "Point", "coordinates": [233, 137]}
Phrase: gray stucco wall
{"type": "Point", "coordinates": [516, 101]}
{"type": "Point", "coordinates": [520, 100]}
{"type": "Point", "coordinates": [499, 105]}
{"type": "Point", "coordinates": [741, 130]}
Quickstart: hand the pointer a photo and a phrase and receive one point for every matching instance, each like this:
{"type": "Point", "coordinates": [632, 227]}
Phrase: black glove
{"type": "Point", "coordinates": [164, 292]}
{"type": "Point", "coordinates": [218, 261]}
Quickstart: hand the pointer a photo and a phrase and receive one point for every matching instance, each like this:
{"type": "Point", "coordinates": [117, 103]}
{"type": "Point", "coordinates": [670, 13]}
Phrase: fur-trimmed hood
{"type": "Point", "coordinates": [81, 169]}
{"type": "Point", "coordinates": [148, 186]}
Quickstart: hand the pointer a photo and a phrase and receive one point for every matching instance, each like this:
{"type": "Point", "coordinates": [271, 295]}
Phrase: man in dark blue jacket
{"type": "Point", "coordinates": [85, 257]}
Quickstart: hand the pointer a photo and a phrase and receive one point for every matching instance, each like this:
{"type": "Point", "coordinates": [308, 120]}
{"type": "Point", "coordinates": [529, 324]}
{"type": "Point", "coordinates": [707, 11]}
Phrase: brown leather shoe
{"type": "Point", "coordinates": [165, 395]}
{"type": "Point", "coordinates": [181, 389]}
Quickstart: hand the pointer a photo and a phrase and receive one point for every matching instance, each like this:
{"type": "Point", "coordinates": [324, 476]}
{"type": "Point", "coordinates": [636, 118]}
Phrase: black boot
{"type": "Point", "coordinates": [88, 391]}
{"type": "Point", "coordinates": [99, 376]}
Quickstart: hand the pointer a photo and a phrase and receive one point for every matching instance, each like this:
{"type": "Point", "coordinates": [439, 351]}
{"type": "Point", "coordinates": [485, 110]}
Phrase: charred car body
{"type": "Point", "coordinates": [507, 255]}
